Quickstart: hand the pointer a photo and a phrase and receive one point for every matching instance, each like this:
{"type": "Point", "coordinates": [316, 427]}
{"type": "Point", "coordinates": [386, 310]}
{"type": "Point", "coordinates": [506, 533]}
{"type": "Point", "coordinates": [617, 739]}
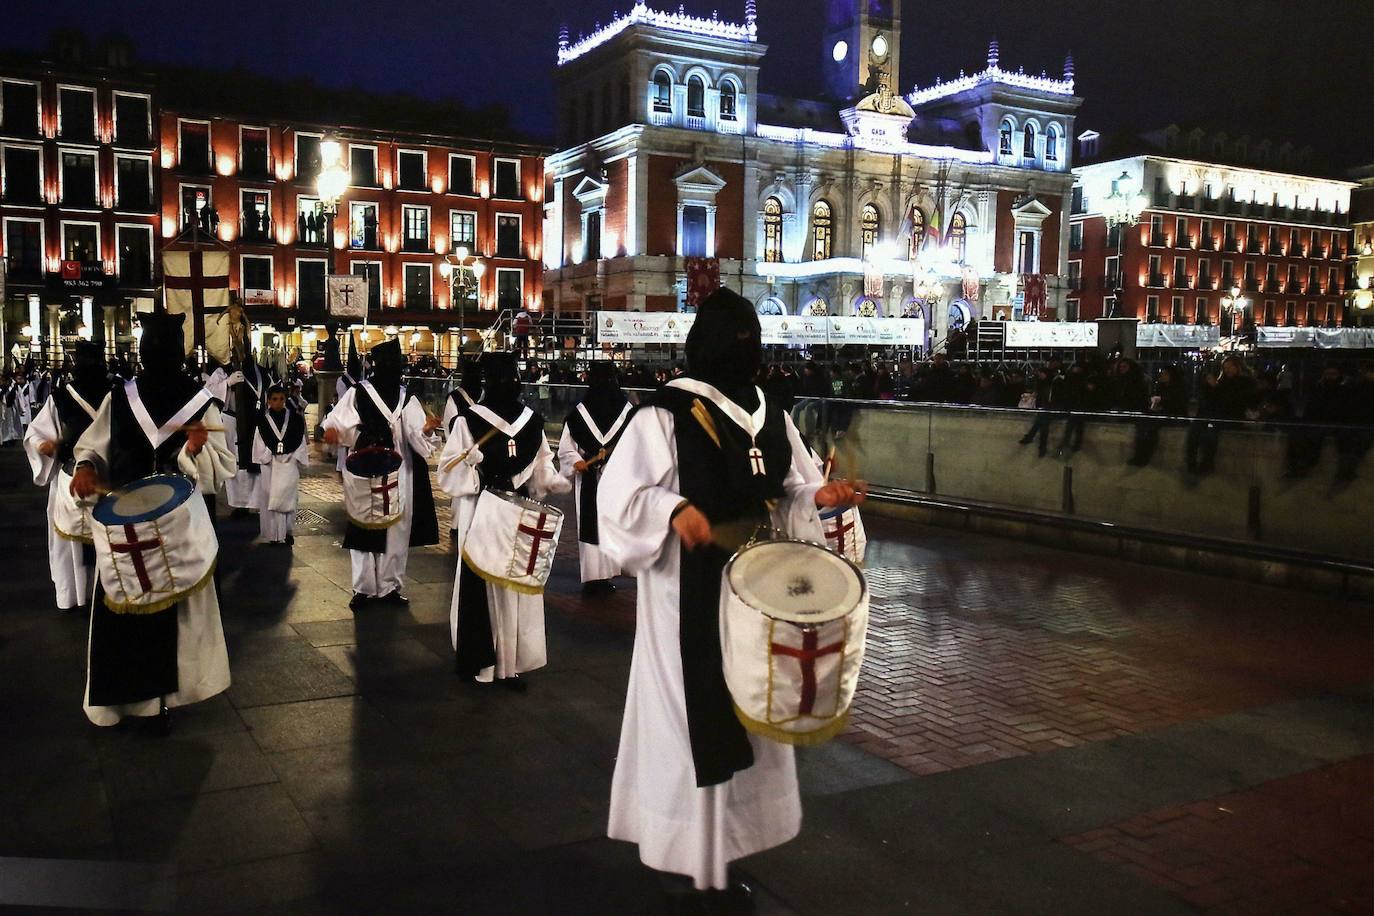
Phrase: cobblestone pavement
{"type": "Point", "coordinates": [1035, 732]}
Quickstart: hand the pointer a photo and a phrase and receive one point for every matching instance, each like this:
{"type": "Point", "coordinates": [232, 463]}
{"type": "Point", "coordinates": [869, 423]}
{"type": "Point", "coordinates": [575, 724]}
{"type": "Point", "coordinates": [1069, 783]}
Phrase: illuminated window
{"type": "Point", "coordinates": [772, 230]}
{"type": "Point", "coordinates": [1004, 138]}
{"type": "Point", "coordinates": [958, 238]}
{"type": "Point", "coordinates": [1052, 144]}
{"type": "Point", "coordinates": [821, 230]}
{"type": "Point", "coordinates": [255, 209]}
{"type": "Point", "coordinates": [918, 233]}
{"type": "Point", "coordinates": [463, 229]}
{"type": "Point", "coordinates": [362, 225]}
{"type": "Point", "coordinates": [1028, 142]}
{"type": "Point", "coordinates": [729, 97]}
{"type": "Point", "coordinates": [869, 225]}
{"type": "Point", "coordinates": [415, 223]}
{"type": "Point", "coordinates": [696, 97]}
{"type": "Point", "coordinates": [663, 93]}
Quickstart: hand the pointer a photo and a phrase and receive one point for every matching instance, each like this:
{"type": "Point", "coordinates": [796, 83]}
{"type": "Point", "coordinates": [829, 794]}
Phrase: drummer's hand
{"type": "Point", "coordinates": [692, 527]}
{"type": "Point", "coordinates": [432, 423]}
{"type": "Point", "coordinates": [234, 379]}
{"type": "Point", "coordinates": [840, 493]}
{"type": "Point", "coordinates": [331, 435]}
{"type": "Point", "coordinates": [580, 467]}
{"type": "Point", "coordinates": [47, 447]}
{"type": "Point", "coordinates": [85, 482]}
{"type": "Point", "coordinates": [196, 437]}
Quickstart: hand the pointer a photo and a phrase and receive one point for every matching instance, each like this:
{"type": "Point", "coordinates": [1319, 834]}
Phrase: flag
{"type": "Point", "coordinates": [932, 238]}
{"type": "Point", "coordinates": [347, 296]}
{"type": "Point", "coordinates": [195, 283]}
{"type": "Point", "coordinates": [873, 279]}
{"type": "Point", "coordinates": [703, 279]}
{"type": "Point", "coordinates": [1033, 287]}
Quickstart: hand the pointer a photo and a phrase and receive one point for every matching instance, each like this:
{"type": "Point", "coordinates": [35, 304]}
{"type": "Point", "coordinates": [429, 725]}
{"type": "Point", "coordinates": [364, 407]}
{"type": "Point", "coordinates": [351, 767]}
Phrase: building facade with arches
{"type": "Point", "coordinates": [852, 203]}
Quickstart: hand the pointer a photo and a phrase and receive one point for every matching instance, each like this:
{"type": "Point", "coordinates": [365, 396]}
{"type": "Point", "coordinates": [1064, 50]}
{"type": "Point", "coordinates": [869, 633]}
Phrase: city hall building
{"type": "Point", "coordinates": [949, 201]}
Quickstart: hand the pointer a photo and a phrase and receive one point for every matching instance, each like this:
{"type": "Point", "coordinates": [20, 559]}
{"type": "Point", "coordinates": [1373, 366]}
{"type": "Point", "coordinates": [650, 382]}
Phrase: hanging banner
{"type": "Point", "coordinates": [347, 296]}
{"type": "Point", "coordinates": [643, 327]}
{"type": "Point", "coordinates": [1320, 338]}
{"type": "Point", "coordinates": [1068, 335]}
{"type": "Point", "coordinates": [1182, 336]}
{"type": "Point", "coordinates": [703, 279]}
{"type": "Point", "coordinates": [787, 330]}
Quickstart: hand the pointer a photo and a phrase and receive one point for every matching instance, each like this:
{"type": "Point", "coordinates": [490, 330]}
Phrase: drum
{"type": "Point", "coordinates": [511, 541]}
{"type": "Point", "coordinates": [71, 517]}
{"type": "Point", "coordinates": [154, 544]}
{"type": "Point", "coordinates": [793, 620]}
{"type": "Point", "coordinates": [844, 533]}
{"type": "Point", "coordinates": [372, 487]}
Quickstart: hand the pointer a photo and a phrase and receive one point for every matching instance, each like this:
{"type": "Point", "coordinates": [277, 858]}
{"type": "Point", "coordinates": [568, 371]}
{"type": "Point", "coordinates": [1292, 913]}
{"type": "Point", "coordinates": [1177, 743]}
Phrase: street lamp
{"type": "Point", "coordinates": [1233, 303]}
{"type": "Point", "coordinates": [1122, 209]}
{"type": "Point", "coordinates": [331, 184]}
{"type": "Point", "coordinates": [463, 270]}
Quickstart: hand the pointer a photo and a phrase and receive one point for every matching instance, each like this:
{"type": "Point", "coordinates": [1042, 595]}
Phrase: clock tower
{"type": "Point", "coordinates": [861, 38]}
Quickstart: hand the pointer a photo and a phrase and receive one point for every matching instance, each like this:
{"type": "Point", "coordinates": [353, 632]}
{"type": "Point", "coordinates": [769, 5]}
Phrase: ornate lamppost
{"type": "Point", "coordinates": [464, 270]}
{"type": "Point", "coordinates": [1122, 209]}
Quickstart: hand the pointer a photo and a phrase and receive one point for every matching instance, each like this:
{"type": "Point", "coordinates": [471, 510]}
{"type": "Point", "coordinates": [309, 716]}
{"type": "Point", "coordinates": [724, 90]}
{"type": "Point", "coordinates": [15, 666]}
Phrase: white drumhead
{"type": "Point", "coordinates": [795, 581]}
{"type": "Point", "coordinates": [522, 502]}
{"type": "Point", "coordinates": [144, 499]}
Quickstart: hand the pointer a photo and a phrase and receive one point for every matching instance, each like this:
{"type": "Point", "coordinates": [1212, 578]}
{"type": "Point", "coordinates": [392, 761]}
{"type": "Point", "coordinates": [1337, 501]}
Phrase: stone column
{"type": "Point", "coordinates": [52, 345]}
{"type": "Point", "coordinates": [110, 329]}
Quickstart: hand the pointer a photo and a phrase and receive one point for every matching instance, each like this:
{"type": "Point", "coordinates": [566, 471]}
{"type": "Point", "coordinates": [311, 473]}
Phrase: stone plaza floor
{"type": "Point", "coordinates": [1036, 731]}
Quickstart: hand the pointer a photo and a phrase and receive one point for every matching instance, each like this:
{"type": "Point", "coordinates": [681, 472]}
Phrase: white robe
{"type": "Point", "coordinates": [655, 801]}
{"type": "Point", "coordinates": [202, 659]}
{"type": "Point", "coordinates": [517, 621]}
{"type": "Point", "coordinates": [594, 564]}
{"type": "Point", "coordinates": [379, 574]}
{"type": "Point", "coordinates": [279, 492]}
{"type": "Point", "coordinates": [240, 487]}
{"type": "Point", "coordinates": [71, 577]}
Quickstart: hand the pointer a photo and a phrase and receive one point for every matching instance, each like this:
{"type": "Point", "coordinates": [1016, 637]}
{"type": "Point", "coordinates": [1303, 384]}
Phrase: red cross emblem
{"type": "Point", "coordinates": [134, 548]}
{"type": "Point", "coordinates": [756, 461]}
{"type": "Point", "coordinates": [385, 488]}
{"type": "Point", "coordinates": [539, 535]}
{"type": "Point", "coordinates": [197, 283]}
{"type": "Point", "coordinates": [838, 534]}
{"type": "Point", "coordinates": [806, 656]}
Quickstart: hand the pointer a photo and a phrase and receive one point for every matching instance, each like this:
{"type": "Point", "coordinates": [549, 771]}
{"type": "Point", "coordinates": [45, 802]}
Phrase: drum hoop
{"type": "Point", "coordinates": [108, 500]}
{"type": "Point", "coordinates": [523, 502]}
{"type": "Point", "coordinates": [863, 580]}
{"type": "Point", "coordinates": [372, 450]}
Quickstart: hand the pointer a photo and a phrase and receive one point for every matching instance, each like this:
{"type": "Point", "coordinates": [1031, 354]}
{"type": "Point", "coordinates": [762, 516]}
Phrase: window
{"type": "Point", "coordinates": [869, 225]}
{"type": "Point", "coordinates": [23, 175]}
{"type": "Point", "coordinates": [1268, 318]}
{"type": "Point", "coordinates": [1113, 277]}
{"type": "Point", "coordinates": [132, 120]}
{"type": "Point", "coordinates": [663, 93]}
{"type": "Point", "coordinates": [253, 157]}
{"type": "Point", "coordinates": [1203, 315]}
{"type": "Point", "coordinates": [821, 231]}
{"type": "Point", "coordinates": [1290, 313]}
{"type": "Point", "coordinates": [696, 97]}
{"type": "Point", "coordinates": [256, 210]}
{"type": "Point", "coordinates": [193, 138]}
{"type": "Point", "coordinates": [308, 160]}
{"type": "Point", "coordinates": [1052, 144]}
{"type": "Point", "coordinates": [81, 242]}
{"type": "Point", "coordinates": [508, 231]}
{"type": "Point", "coordinates": [1157, 230]}
{"type": "Point", "coordinates": [1176, 310]}
{"type": "Point", "coordinates": [362, 166]}
{"type": "Point", "coordinates": [419, 292]}
{"type": "Point", "coordinates": [255, 279]}
{"type": "Point", "coordinates": [415, 228]}
{"type": "Point", "coordinates": [194, 199]}
{"type": "Point", "coordinates": [460, 174]}
{"type": "Point", "coordinates": [1156, 272]}
{"type": "Point", "coordinates": [508, 179]}
{"type": "Point", "coordinates": [1027, 253]}
{"type": "Point", "coordinates": [134, 246]}
{"type": "Point", "coordinates": [1152, 308]}
{"type": "Point", "coordinates": [957, 240]}
{"type": "Point", "coordinates": [24, 248]}
{"type": "Point", "coordinates": [1004, 138]}
{"type": "Point", "coordinates": [133, 183]}
{"type": "Point", "coordinates": [1076, 237]}
{"type": "Point", "coordinates": [1204, 273]}
{"type": "Point", "coordinates": [410, 170]}
{"type": "Point", "coordinates": [1109, 306]}
{"type": "Point", "coordinates": [18, 109]}
{"type": "Point", "coordinates": [1028, 142]}
{"type": "Point", "coordinates": [510, 288]}
{"type": "Point", "coordinates": [310, 274]}
{"type": "Point", "coordinates": [371, 271]}
{"type": "Point", "coordinates": [1204, 236]}
{"type": "Point", "coordinates": [311, 225]}
{"type": "Point", "coordinates": [362, 225]}
{"type": "Point", "coordinates": [1075, 275]}
{"type": "Point", "coordinates": [1181, 237]}
{"type": "Point", "coordinates": [694, 232]}
{"type": "Point", "coordinates": [729, 99]}
{"type": "Point", "coordinates": [78, 179]}
{"type": "Point", "coordinates": [591, 235]}
{"type": "Point", "coordinates": [1180, 272]}
{"type": "Point", "coordinates": [76, 114]}
{"type": "Point", "coordinates": [918, 233]}
{"type": "Point", "coordinates": [462, 227]}
{"type": "Point", "coordinates": [772, 230]}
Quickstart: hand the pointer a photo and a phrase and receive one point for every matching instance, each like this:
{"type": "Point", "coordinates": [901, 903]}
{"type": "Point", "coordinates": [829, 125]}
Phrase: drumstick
{"type": "Point", "coordinates": [208, 429]}
{"type": "Point", "coordinates": [448, 466]}
{"type": "Point", "coordinates": [703, 417]}
{"type": "Point", "coordinates": [597, 459]}
{"type": "Point", "coordinates": [829, 464]}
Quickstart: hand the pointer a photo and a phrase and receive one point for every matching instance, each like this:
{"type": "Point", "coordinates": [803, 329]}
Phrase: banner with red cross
{"type": "Point", "coordinates": [196, 283]}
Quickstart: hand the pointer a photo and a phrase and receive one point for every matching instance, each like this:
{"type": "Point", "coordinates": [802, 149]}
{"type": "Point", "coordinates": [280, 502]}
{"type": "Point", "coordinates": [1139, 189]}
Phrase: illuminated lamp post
{"type": "Point", "coordinates": [463, 270]}
{"type": "Point", "coordinates": [1234, 304]}
{"type": "Point", "coordinates": [1122, 209]}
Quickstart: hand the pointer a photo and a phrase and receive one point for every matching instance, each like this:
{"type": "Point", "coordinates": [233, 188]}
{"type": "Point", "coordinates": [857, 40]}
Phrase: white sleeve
{"type": "Point", "coordinates": [93, 447]}
{"type": "Point", "coordinates": [459, 478]}
{"type": "Point", "coordinates": [413, 419]}
{"type": "Point", "coordinates": [302, 454]}
{"type": "Point", "coordinates": [261, 454]}
{"type": "Point", "coordinates": [46, 427]}
{"type": "Point", "coordinates": [450, 413]}
{"type": "Point", "coordinates": [796, 513]}
{"type": "Point", "coordinates": [639, 491]}
{"type": "Point", "coordinates": [214, 464]}
{"type": "Point", "coordinates": [343, 419]}
{"type": "Point", "coordinates": [544, 478]}
{"type": "Point", "coordinates": [568, 454]}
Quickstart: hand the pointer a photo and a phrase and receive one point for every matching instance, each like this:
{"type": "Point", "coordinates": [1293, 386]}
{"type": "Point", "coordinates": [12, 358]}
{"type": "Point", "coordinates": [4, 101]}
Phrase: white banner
{"type": "Point", "coordinates": [1320, 338]}
{"type": "Point", "coordinates": [347, 296]}
{"type": "Point", "coordinates": [643, 327]}
{"type": "Point", "coordinates": [1052, 334]}
{"type": "Point", "coordinates": [788, 330]}
{"type": "Point", "coordinates": [1185, 336]}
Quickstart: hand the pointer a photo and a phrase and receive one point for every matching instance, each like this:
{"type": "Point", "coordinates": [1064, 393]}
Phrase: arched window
{"type": "Point", "coordinates": [696, 97]}
{"type": "Point", "coordinates": [1028, 142]}
{"type": "Point", "coordinates": [1004, 138]}
{"type": "Point", "coordinates": [772, 230]}
{"type": "Point", "coordinates": [729, 98]}
{"type": "Point", "coordinates": [663, 93]}
{"type": "Point", "coordinates": [821, 230]}
{"type": "Point", "coordinates": [958, 238]}
{"type": "Point", "coordinates": [1052, 144]}
{"type": "Point", "coordinates": [918, 233]}
{"type": "Point", "coordinates": [869, 225]}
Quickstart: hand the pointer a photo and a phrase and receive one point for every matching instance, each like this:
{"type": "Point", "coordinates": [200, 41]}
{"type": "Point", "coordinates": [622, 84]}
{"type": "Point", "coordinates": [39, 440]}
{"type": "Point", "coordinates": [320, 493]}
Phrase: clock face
{"type": "Point", "coordinates": [880, 46]}
{"type": "Point", "coordinates": [840, 51]}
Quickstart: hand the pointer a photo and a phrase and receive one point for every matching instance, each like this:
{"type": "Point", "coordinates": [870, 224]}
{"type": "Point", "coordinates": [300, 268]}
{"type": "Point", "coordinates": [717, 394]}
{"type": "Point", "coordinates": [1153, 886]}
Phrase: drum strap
{"type": "Point", "coordinates": [155, 434]}
{"type": "Point", "coordinates": [750, 423]}
{"type": "Point", "coordinates": [509, 430]}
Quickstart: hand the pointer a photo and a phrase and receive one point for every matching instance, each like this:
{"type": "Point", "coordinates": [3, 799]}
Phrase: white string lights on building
{"type": "Point", "coordinates": [680, 21]}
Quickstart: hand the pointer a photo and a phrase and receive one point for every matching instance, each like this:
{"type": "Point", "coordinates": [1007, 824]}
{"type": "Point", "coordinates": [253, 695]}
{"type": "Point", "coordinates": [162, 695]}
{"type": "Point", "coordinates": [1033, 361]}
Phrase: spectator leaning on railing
{"type": "Point", "coordinates": [1169, 398]}
{"type": "Point", "coordinates": [1226, 396]}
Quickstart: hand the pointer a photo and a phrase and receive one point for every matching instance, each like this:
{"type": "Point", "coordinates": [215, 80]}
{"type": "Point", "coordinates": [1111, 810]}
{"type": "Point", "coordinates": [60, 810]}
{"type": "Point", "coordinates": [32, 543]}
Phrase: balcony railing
{"type": "Point", "coordinates": [1318, 253]}
{"type": "Point", "coordinates": [1076, 284]}
{"type": "Point", "coordinates": [1337, 253]}
{"type": "Point", "coordinates": [1232, 245]}
{"type": "Point", "coordinates": [1253, 247]}
{"type": "Point", "coordinates": [415, 244]}
{"type": "Point", "coordinates": [1155, 280]}
{"type": "Point", "coordinates": [1111, 282]}
{"type": "Point", "coordinates": [19, 270]}
{"type": "Point", "coordinates": [1206, 281]}
{"type": "Point", "coordinates": [1183, 241]}
{"type": "Point", "coordinates": [696, 122]}
{"type": "Point", "coordinates": [1207, 243]}
{"type": "Point", "coordinates": [1158, 240]}
{"type": "Point", "coordinates": [1295, 251]}
{"type": "Point", "coordinates": [1251, 285]}
{"type": "Point", "coordinates": [256, 230]}
{"type": "Point", "coordinates": [1183, 281]}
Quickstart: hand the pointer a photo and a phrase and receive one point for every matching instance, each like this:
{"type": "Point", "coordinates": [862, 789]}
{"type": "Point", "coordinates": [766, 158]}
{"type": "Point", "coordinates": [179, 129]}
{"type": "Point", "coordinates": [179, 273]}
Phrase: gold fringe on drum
{"type": "Point", "coordinates": [137, 608]}
{"type": "Point", "coordinates": [520, 587]}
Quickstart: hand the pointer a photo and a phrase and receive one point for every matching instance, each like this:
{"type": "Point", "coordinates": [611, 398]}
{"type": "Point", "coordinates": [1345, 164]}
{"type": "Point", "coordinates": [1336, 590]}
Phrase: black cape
{"type": "Point", "coordinates": [588, 531]}
{"type": "Point", "coordinates": [424, 521]}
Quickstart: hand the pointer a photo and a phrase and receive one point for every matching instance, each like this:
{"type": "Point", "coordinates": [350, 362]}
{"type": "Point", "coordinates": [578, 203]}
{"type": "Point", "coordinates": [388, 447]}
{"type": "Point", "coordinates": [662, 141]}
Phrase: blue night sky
{"type": "Point", "coordinates": [1268, 67]}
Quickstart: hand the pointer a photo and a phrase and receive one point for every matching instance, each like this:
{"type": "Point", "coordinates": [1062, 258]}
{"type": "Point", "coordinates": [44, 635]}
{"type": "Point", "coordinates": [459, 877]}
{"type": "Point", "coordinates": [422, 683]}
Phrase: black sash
{"type": "Point", "coordinates": [73, 418]}
{"type": "Point", "coordinates": [375, 430]}
{"type": "Point", "coordinates": [588, 529]}
{"type": "Point", "coordinates": [719, 481]}
{"type": "Point", "coordinates": [292, 436]}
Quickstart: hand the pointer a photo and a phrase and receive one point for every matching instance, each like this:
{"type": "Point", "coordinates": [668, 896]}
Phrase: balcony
{"type": "Point", "coordinates": [1159, 240]}
{"type": "Point", "coordinates": [256, 230]}
{"type": "Point", "coordinates": [1251, 285]}
{"type": "Point", "coordinates": [1155, 281]}
{"type": "Point", "coordinates": [1210, 205]}
{"type": "Point", "coordinates": [1185, 202]}
{"type": "Point", "coordinates": [1317, 254]}
{"type": "Point", "coordinates": [1232, 207]}
{"type": "Point", "coordinates": [1232, 245]}
{"type": "Point", "coordinates": [1337, 253]}
{"type": "Point", "coordinates": [1184, 241]}
{"type": "Point", "coordinates": [1183, 281]}
{"type": "Point", "coordinates": [1111, 282]}
{"type": "Point", "coordinates": [1161, 199]}
{"type": "Point", "coordinates": [1272, 286]}
{"type": "Point", "coordinates": [19, 270]}
{"type": "Point", "coordinates": [1313, 289]}
{"type": "Point", "coordinates": [1295, 251]}
{"type": "Point", "coordinates": [1207, 243]}
{"type": "Point", "coordinates": [661, 118]}
{"type": "Point", "coordinates": [1075, 284]}
{"type": "Point", "coordinates": [1253, 247]}
{"type": "Point", "coordinates": [1206, 281]}
{"type": "Point", "coordinates": [696, 122]}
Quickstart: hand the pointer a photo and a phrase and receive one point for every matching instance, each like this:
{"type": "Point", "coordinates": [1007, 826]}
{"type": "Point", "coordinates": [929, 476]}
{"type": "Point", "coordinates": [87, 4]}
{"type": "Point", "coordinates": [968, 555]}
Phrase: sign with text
{"type": "Point", "coordinates": [787, 330]}
{"type": "Point", "coordinates": [1068, 335]}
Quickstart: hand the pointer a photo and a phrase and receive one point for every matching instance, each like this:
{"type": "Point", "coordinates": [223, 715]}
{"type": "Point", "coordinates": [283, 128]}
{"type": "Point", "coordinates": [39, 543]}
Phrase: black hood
{"type": "Point", "coordinates": [501, 385]}
{"type": "Point", "coordinates": [605, 400]}
{"type": "Point", "coordinates": [724, 348]}
{"type": "Point", "coordinates": [387, 364]}
{"type": "Point", "coordinates": [163, 383]}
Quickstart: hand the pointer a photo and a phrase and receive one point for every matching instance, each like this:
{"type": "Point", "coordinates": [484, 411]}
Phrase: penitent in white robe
{"type": "Point", "coordinates": [655, 801]}
{"type": "Point", "coordinates": [379, 574]}
{"type": "Point", "coordinates": [517, 621]}
{"type": "Point", "coordinates": [594, 564]}
{"type": "Point", "coordinates": [71, 577]}
{"type": "Point", "coordinates": [202, 659]}
{"type": "Point", "coordinates": [280, 490]}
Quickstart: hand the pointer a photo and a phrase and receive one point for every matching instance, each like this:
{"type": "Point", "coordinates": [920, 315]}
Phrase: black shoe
{"type": "Point", "coordinates": [1026, 440]}
{"type": "Point", "coordinates": [513, 683]}
{"type": "Point", "coordinates": [359, 601]}
{"type": "Point", "coordinates": [290, 539]}
{"type": "Point", "coordinates": [395, 597]}
{"type": "Point", "coordinates": [240, 512]}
